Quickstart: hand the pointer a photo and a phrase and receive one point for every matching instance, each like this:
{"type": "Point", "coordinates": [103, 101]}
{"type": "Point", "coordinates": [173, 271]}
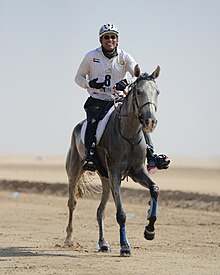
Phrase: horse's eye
{"type": "Point", "coordinates": [139, 91]}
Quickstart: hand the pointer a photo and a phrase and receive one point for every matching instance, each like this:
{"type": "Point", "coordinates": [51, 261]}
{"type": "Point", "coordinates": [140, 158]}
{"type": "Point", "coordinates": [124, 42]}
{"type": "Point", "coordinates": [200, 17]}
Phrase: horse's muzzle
{"type": "Point", "coordinates": [149, 125]}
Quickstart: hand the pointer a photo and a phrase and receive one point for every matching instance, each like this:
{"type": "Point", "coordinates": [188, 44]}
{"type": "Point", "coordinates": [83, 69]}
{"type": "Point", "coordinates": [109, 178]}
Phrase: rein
{"type": "Point", "coordinates": [132, 139]}
{"type": "Point", "coordinates": [137, 137]}
{"type": "Point", "coordinates": [136, 108]}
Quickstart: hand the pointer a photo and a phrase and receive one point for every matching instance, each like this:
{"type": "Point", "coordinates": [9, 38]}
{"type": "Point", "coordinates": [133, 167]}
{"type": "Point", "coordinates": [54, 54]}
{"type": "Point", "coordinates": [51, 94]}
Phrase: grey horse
{"type": "Point", "coordinates": [121, 152]}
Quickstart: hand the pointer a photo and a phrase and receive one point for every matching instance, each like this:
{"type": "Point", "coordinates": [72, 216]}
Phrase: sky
{"type": "Point", "coordinates": [44, 41]}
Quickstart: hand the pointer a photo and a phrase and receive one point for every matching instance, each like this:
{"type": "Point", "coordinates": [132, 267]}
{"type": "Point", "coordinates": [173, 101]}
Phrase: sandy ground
{"type": "Point", "coordinates": [32, 227]}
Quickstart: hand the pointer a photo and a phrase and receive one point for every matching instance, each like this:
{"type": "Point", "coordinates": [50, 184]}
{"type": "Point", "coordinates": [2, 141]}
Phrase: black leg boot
{"type": "Point", "coordinates": [89, 163]}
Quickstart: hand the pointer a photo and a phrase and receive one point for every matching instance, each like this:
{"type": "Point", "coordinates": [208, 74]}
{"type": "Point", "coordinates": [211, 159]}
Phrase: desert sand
{"type": "Point", "coordinates": [33, 212]}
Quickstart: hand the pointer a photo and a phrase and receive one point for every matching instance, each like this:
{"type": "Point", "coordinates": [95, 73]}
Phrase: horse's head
{"type": "Point", "coordinates": [145, 98]}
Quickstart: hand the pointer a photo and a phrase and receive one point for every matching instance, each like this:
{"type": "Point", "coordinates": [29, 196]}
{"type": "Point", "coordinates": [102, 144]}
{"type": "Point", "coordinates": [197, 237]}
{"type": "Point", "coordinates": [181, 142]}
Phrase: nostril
{"type": "Point", "coordinates": [150, 124]}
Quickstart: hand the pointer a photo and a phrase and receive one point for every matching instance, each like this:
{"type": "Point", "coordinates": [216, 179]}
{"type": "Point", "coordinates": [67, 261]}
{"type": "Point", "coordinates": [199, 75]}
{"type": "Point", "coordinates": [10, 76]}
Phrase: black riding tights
{"type": "Point", "coordinates": [95, 110]}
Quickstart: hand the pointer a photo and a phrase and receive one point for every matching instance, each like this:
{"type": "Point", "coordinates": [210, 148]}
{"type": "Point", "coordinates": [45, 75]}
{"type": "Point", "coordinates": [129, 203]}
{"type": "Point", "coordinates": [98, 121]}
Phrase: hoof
{"type": "Point", "coordinates": [68, 242]}
{"type": "Point", "coordinates": [103, 247]}
{"type": "Point", "coordinates": [125, 251]}
{"type": "Point", "coordinates": [149, 235]}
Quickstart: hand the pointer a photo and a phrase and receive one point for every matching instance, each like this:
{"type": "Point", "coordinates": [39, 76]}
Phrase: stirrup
{"type": "Point", "coordinates": [89, 165]}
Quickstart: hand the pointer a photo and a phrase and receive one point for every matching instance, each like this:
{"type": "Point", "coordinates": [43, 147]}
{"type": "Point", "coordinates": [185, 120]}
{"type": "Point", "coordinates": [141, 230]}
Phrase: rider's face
{"type": "Point", "coordinates": [109, 41]}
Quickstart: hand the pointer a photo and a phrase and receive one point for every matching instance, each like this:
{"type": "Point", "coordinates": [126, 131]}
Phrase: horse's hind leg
{"type": "Point", "coordinates": [73, 168]}
{"type": "Point", "coordinates": [103, 244]}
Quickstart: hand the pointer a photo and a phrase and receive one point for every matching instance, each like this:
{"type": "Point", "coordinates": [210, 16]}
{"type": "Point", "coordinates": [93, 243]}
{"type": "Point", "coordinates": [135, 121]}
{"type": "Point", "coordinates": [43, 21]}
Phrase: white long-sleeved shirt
{"type": "Point", "coordinates": [96, 65]}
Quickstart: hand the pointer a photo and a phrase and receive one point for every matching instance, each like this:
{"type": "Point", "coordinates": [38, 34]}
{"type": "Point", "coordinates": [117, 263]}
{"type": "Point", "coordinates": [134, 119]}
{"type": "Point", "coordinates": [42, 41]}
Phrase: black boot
{"type": "Point", "coordinates": [162, 161]}
{"type": "Point", "coordinates": [156, 161]}
{"type": "Point", "coordinates": [89, 162]}
{"type": "Point", "coordinates": [89, 165]}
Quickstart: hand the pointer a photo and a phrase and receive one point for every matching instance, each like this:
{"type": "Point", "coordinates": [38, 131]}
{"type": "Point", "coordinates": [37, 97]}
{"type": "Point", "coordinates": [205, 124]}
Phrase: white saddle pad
{"type": "Point", "coordinates": [100, 128]}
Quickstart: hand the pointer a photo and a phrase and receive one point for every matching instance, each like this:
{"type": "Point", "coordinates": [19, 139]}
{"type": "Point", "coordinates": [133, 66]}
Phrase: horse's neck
{"type": "Point", "coordinates": [129, 122]}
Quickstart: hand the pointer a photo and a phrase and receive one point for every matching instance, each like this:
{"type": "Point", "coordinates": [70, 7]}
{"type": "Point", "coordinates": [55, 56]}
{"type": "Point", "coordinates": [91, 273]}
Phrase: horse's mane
{"type": "Point", "coordinates": [145, 76]}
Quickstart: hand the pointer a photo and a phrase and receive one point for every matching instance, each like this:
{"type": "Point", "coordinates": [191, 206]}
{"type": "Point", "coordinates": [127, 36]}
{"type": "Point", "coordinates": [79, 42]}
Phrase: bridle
{"type": "Point", "coordinates": [136, 108]}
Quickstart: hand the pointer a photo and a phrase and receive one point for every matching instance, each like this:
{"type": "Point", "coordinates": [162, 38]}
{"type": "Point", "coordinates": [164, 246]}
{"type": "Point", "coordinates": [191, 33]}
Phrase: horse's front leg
{"type": "Point", "coordinates": [141, 176]}
{"type": "Point", "coordinates": [102, 243]}
{"type": "Point", "coordinates": [149, 232]}
{"type": "Point", "coordinates": [115, 180]}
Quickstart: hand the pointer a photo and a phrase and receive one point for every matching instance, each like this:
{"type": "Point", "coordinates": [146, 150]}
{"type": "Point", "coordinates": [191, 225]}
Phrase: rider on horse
{"type": "Point", "coordinates": [102, 72]}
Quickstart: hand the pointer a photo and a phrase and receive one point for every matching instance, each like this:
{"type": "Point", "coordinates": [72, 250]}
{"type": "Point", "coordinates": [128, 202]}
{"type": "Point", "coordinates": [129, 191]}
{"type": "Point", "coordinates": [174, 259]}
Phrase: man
{"type": "Point", "coordinates": [101, 71]}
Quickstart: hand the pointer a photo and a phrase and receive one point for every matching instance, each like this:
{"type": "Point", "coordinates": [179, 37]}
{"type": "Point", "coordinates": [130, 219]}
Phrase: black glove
{"type": "Point", "coordinates": [93, 84]}
{"type": "Point", "coordinates": [121, 85]}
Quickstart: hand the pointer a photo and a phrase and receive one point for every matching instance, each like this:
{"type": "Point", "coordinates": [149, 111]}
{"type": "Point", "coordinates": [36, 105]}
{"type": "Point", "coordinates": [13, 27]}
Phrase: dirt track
{"type": "Point", "coordinates": [33, 229]}
{"type": "Point", "coordinates": [171, 198]}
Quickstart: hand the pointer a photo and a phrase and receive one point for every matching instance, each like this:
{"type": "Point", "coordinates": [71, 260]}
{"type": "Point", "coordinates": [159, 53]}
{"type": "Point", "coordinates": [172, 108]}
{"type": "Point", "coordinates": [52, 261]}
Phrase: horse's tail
{"type": "Point", "coordinates": [79, 183]}
{"type": "Point", "coordinates": [87, 185]}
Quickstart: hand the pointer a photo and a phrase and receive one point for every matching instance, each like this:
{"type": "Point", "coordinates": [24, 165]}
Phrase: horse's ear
{"type": "Point", "coordinates": [156, 73]}
{"type": "Point", "coordinates": [137, 70]}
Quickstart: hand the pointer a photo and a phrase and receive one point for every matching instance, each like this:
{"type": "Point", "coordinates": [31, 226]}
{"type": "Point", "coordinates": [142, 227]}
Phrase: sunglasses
{"type": "Point", "coordinates": [107, 37]}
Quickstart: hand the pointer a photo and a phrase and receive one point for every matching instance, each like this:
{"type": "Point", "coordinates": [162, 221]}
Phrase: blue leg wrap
{"type": "Point", "coordinates": [125, 246]}
{"type": "Point", "coordinates": [123, 238]}
{"type": "Point", "coordinates": [152, 212]}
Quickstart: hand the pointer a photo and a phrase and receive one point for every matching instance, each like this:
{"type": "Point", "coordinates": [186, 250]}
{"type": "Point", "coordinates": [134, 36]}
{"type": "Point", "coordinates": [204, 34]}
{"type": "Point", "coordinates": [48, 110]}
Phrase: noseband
{"type": "Point", "coordinates": [147, 103]}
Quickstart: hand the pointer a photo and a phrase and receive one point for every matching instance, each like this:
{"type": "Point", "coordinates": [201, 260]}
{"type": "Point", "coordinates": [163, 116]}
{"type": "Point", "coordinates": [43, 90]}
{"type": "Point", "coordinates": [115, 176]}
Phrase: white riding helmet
{"type": "Point", "coordinates": [107, 28]}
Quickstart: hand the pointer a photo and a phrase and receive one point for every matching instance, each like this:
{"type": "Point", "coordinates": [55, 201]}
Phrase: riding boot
{"type": "Point", "coordinates": [90, 144]}
{"type": "Point", "coordinates": [156, 161]}
{"type": "Point", "coordinates": [89, 162]}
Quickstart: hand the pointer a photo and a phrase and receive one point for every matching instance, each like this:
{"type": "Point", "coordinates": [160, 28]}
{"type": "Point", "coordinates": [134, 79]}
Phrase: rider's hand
{"type": "Point", "coordinates": [121, 85]}
{"type": "Point", "coordinates": [96, 85]}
